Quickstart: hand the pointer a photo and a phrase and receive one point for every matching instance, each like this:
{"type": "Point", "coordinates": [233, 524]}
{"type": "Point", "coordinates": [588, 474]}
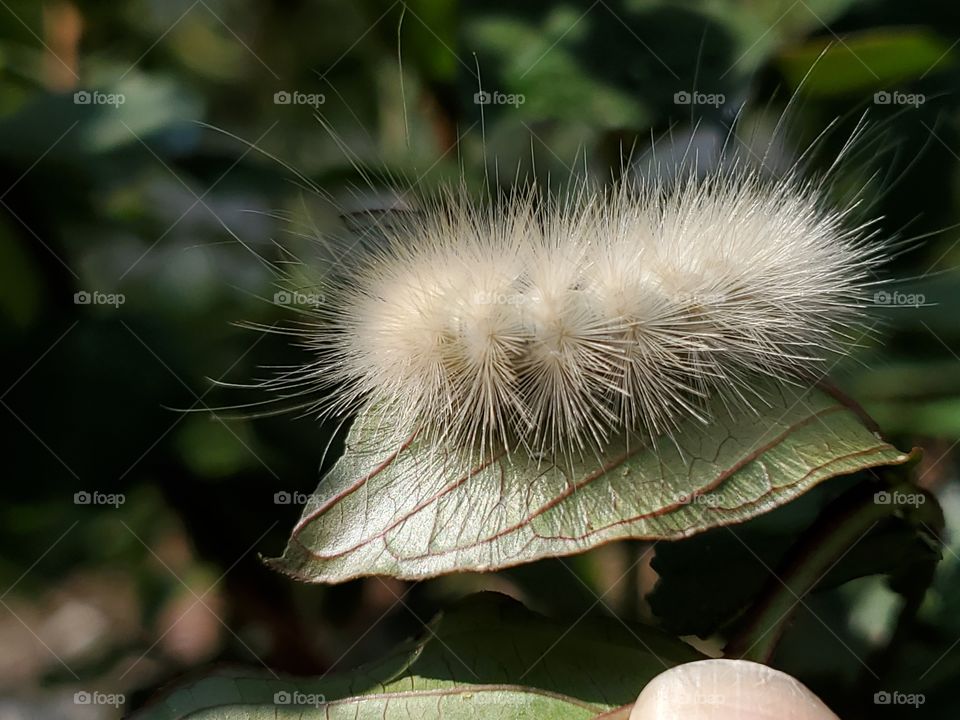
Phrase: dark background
{"type": "Point", "coordinates": [171, 200]}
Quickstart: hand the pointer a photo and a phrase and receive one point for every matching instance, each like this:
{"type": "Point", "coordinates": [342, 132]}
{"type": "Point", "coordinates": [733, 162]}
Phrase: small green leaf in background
{"type": "Point", "coordinates": [706, 582]}
{"type": "Point", "coordinates": [487, 658]}
{"type": "Point", "coordinates": [21, 294]}
{"type": "Point", "coordinates": [216, 450]}
{"type": "Point", "coordinates": [863, 61]}
{"type": "Point", "coordinates": [398, 510]}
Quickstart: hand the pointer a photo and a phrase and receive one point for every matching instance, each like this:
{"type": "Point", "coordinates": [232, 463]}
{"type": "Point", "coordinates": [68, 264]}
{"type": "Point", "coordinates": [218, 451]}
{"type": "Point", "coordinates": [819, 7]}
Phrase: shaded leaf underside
{"type": "Point", "coordinates": [398, 508]}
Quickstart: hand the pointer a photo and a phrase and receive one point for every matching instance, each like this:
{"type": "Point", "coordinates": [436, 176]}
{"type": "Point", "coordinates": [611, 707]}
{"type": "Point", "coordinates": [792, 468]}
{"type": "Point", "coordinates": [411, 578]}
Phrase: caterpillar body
{"type": "Point", "coordinates": [553, 323]}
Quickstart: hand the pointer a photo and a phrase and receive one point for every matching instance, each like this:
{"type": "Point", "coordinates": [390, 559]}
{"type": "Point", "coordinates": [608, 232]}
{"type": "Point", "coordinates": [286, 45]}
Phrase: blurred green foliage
{"type": "Point", "coordinates": [175, 197]}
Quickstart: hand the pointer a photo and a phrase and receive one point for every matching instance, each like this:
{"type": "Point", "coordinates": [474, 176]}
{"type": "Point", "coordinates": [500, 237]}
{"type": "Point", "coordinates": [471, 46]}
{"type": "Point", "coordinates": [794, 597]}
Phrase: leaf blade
{"type": "Point", "coordinates": [488, 658]}
{"type": "Point", "coordinates": [390, 511]}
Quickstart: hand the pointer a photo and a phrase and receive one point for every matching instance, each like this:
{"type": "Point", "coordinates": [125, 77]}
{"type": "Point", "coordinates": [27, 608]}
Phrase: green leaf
{"type": "Point", "coordinates": [629, 57]}
{"type": "Point", "coordinates": [707, 581]}
{"type": "Point", "coordinates": [864, 61]}
{"type": "Point", "coordinates": [402, 510]}
{"type": "Point", "coordinates": [21, 292]}
{"type": "Point", "coordinates": [825, 546]}
{"type": "Point", "coordinates": [488, 658]}
{"type": "Point", "coordinates": [124, 113]}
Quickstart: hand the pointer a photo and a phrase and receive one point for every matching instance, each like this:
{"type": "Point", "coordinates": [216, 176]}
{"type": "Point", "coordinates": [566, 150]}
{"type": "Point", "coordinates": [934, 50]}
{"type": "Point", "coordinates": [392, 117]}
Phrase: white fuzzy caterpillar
{"type": "Point", "coordinates": [551, 324]}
